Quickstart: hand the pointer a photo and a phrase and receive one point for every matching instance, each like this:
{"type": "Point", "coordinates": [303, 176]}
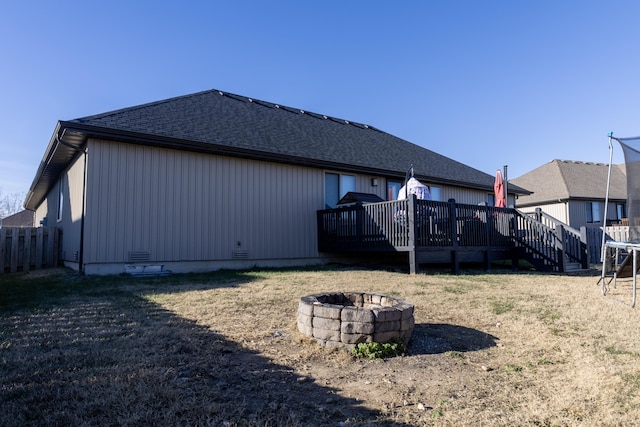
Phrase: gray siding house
{"type": "Point", "coordinates": [574, 192]}
{"type": "Point", "coordinates": [215, 180]}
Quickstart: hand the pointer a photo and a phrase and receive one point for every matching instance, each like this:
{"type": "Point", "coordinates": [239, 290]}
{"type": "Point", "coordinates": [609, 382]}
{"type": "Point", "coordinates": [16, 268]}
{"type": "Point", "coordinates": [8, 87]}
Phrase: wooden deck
{"type": "Point", "coordinates": [436, 232]}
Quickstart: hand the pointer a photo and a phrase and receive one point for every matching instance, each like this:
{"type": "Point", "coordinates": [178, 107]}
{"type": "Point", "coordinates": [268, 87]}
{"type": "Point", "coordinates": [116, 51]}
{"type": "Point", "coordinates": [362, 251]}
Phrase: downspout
{"type": "Point", "coordinates": [84, 211]}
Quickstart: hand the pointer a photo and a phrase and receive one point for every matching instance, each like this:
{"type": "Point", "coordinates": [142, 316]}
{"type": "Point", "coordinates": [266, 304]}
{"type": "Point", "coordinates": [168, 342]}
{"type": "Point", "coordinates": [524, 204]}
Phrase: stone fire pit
{"type": "Point", "coordinates": [344, 319]}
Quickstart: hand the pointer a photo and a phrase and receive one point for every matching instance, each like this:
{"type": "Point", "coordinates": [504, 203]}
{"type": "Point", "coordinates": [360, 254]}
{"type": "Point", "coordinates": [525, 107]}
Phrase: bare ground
{"type": "Point", "coordinates": [222, 349]}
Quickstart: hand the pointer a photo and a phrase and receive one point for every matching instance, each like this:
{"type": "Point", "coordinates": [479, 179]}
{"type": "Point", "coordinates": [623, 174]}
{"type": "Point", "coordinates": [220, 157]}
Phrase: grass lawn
{"type": "Point", "coordinates": [222, 349]}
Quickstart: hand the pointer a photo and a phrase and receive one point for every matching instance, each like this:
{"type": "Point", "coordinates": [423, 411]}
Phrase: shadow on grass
{"type": "Point", "coordinates": [435, 338]}
{"type": "Point", "coordinates": [98, 354]}
{"type": "Point", "coordinates": [23, 290]}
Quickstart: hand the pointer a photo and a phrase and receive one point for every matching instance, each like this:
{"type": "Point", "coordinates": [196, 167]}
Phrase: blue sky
{"type": "Point", "coordinates": [487, 83]}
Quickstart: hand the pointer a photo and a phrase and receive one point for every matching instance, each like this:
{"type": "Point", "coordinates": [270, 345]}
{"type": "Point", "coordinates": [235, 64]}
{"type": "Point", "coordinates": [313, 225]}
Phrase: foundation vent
{"type": "Point", "coordinates": [139, 256]}
{"type": "Point", "coordinates": [240, 254]}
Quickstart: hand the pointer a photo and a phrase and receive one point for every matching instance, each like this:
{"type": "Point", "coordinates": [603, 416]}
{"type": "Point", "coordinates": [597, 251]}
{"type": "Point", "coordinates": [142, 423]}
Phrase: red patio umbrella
{"type": "Point", "coordinates": [498, 189]}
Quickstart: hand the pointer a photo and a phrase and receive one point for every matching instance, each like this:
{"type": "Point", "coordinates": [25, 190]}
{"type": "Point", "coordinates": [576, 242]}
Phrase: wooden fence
{"type": "Point", "coordinates": [26, 249]}
{"type": "Point", "coordinates": [619, 233]}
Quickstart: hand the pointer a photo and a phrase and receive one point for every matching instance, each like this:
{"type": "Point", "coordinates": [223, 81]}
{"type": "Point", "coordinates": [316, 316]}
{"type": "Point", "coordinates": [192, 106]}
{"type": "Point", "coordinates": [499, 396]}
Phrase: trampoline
{"type": "Point", "coordinates": [620, 258]}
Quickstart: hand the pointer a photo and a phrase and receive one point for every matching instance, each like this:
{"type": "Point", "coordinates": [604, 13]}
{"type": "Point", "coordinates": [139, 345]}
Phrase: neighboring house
{"type": "Point", "coordinates": [23, 218]}
{"type": "Point", "coordinates": [216, 180]}
{"type": "Point", "coordinates": [574, 192]}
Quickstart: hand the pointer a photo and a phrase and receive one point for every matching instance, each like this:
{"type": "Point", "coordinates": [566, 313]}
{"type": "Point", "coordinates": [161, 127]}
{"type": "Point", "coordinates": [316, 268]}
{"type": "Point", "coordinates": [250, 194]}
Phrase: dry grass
{"type": "Point", "coordinates": [222, 349]}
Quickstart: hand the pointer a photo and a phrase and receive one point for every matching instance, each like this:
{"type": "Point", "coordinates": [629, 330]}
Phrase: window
{"type": "Point", "coordinates": [436, 193]}
{"type": "Point", "coordinates": [393, 188]}
{"type": "Point", "coordinates": [491, 199]}
{"type": "Point", "coordinates": [593, 212]}
{"type": "Point", "coordinates": [620, 211]}
{"type": "Point", "coordinates": [60, 197]}
{"type": "Point", "coordinates": [335, 187]}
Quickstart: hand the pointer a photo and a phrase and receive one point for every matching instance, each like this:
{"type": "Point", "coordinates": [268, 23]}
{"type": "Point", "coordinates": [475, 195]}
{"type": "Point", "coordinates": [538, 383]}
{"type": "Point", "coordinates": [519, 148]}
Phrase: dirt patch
{"type": "Point", "coordinates": [223, 349]}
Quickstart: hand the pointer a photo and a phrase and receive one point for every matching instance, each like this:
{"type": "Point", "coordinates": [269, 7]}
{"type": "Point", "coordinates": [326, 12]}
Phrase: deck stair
{"type": "Point", "coordinates": [550, 244]}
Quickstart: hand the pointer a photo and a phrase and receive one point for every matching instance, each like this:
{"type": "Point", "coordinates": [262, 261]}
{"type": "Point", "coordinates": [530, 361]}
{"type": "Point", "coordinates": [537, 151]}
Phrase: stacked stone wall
{"type": "Point", "coordinates": [349, 318]}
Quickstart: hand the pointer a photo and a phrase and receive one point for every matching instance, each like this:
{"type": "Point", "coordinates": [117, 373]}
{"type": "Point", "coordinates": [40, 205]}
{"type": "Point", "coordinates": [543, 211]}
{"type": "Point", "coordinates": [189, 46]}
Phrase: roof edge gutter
{"type": "Point", "coordinates": [57, 142]}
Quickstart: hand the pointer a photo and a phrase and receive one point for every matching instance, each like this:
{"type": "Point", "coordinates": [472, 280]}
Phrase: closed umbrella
{"type": "Point", "coordinates": [498, 189]}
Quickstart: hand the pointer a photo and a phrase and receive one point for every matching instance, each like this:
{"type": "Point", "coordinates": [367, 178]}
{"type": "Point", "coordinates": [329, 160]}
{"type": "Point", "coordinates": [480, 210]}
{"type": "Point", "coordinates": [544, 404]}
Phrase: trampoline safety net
{"type": "Point", "coordinates": [631, 150]}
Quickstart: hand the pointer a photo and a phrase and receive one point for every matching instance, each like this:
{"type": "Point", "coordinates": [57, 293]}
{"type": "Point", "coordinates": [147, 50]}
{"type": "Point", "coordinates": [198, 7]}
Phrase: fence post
{"type": "Point", "coordinates": [414, 267]}
{"type": "Point", "coordinates": [26, 250]}
{"type": "Point", "coordinates": [359, 212]}
{"type": "Point", "coordinates": [3, 248]}
{"type": "Point", "coordinates": [14, 250]}
{"type": "Point", "coordinates": [453, 224]}
{"type": "Point", "coordinates": [584, 247]}
{"type": "Point", "coordinates": [560, 248]}
{"type": "Point", "coordinates": [538, 214]}
{"type": "Point", "coordinates": [39, 247]}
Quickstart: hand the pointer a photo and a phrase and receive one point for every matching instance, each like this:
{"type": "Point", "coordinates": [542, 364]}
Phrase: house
{"type": "Point", "coordinates": [216, 180]}
{"type": "Point", "coordinates": [574, 192]}
{"type": "Point", "coordinates": [23, 218]}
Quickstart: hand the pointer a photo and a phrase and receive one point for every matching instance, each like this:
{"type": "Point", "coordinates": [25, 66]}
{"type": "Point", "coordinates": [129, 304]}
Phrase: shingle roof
{"type": "Point", "coordinates": [19, 219]}
{"type": "Point", "coordinates": [226, 123]}
{"type": "Point", "coordinates": [565, 179]}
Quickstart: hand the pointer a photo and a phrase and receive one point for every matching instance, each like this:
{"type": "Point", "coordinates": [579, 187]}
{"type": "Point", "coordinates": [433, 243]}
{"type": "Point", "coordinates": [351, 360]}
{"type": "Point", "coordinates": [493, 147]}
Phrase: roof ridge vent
{"type": "Point", "coordinates": [250, 100]}
{"type": "Point", "coordinates": [276, 105]}
{"type": "Point", "coordinates": [301, 111]}
{"type": "Point", "coordinates": [221, 92]}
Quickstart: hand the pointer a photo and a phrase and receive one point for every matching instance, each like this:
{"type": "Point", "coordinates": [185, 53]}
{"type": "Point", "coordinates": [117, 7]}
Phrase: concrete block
{"type": "Point", "coordinates": [386, 314]}
{"type": "Point", "coordinates": [357, 314]}
{"type": "Point", "coordinates": [357, 328]}
{"type": "Point", "coordinates": [328, 324]}
{"type": "Point", "coordinates": [393, 325]}
{"type": "Point", "coordinates": [325, 334]}
{"type": "Point", "coordinates": [328, 311]}
{"type": "Point", "coordinates": [355, 338]}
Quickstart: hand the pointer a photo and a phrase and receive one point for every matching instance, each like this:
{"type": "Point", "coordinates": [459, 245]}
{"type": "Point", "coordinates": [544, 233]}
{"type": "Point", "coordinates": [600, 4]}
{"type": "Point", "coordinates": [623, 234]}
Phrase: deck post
{"type": "Point", "coordinates": [453, 225]}
{"type": "Point", "coordinates": [584, 247]}
{"type": "Point", "coordinates": [487, 260]}
{"type": "Point", "coordinates": [414, 267]}
{"type": "Point", "coordinates": [560, 248]}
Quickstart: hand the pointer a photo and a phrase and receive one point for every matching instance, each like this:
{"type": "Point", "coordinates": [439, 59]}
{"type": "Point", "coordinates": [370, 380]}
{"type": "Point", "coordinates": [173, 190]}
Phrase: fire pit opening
{"type": "Point", "coordinates": [344, 319]}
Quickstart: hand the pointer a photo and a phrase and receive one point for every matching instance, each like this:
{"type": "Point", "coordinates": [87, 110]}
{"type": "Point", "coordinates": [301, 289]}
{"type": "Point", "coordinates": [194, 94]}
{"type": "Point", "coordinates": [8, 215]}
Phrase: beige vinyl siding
{"type": "Point", "coordinates": [556, 210]}
{"type": "Point", "coordinates": [463, 195]}
{"type": "Point", "coordinates": [72, 189]}
{"type": "Point", "coordinates": [561, 211]}
{"type": "Point", "coordinates": [184, 206]}
{"type": "Point", "coordinates": [42, 211]}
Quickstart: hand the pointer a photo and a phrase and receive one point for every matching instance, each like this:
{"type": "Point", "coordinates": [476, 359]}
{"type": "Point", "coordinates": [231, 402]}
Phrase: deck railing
{"type": "Point", "coordinates": [410, 223]}
{"type": "Point", "coordinates": [414, 225]}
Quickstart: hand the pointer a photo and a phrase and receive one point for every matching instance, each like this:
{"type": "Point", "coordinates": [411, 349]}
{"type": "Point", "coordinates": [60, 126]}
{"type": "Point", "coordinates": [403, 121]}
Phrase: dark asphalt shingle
{"type": "Point", "coordinates": [228, 120]}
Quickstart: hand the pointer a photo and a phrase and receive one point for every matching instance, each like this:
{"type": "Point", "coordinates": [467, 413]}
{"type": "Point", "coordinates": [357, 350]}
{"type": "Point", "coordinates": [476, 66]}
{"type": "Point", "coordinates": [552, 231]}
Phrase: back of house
{"type": "Point", "coordinates": [216, 180]}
